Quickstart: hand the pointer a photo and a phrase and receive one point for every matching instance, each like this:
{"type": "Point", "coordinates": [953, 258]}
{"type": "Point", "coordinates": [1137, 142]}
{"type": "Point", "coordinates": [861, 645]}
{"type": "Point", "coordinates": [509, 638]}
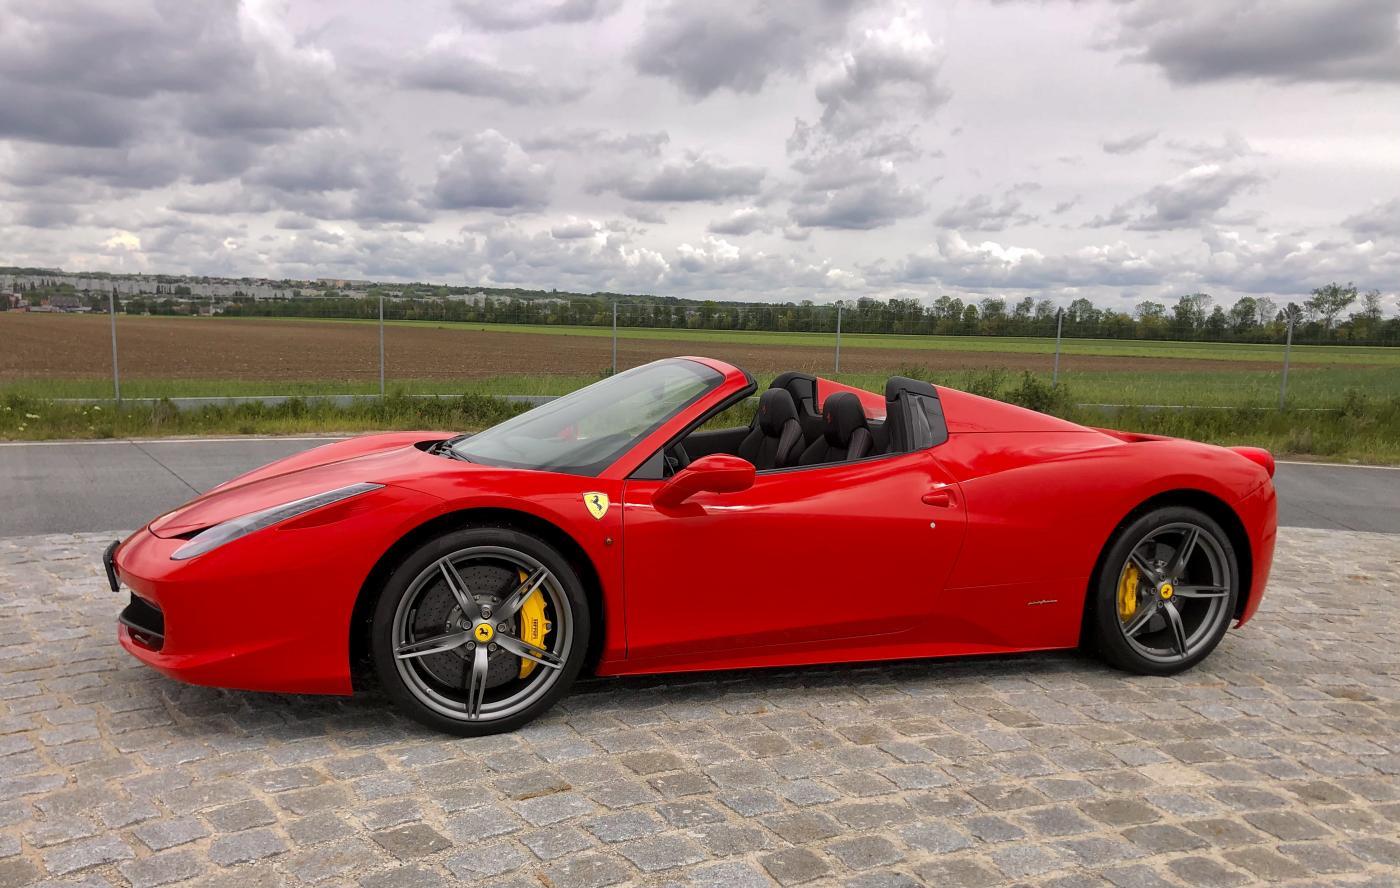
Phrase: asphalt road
{"type": "Point", "coordinates": [68, 487]}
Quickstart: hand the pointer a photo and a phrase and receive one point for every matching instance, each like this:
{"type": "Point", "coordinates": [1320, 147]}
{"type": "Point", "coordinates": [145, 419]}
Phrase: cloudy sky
{"type": "Point", "coordinates": [731, 148]}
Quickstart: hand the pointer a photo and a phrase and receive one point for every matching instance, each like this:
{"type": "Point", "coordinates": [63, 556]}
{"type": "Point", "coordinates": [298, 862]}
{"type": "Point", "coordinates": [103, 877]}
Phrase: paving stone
{"type": "Point", "coordinates": [587, 871]}
{"type": "Point", "coordinates": [1275, 759]}
{"type": "Point", "coordinates": [864, 852]}
{"type": "Point", "coordinates": [405, 877]}
{"type": "Point", "coordinates": [1206, 873]}
{"type": "Point", "coordinates": [1287, 825]}
{"type": "Point", "coordinates": [162, 869]}
{"type": "Point", "coordinates": [555, 841]}
{"type": "Point", "coordinates": [1265, 863]}
{"type": "Point", "coordinates": [1321, 857]}
{"type": "Point", "coordinates": [79, 855]}
{"type": "Point", "coordinates": [254, 844]}
{"type": "Point", "coordinates": [793, 866]}
{"type": "Point", "coordinates": [411, 841]}
{"type": "Point", "coordinates": [1119, 813]}
{"type": "Point", "coordinates": [161, 834]}
{"type": "Point", "coordinates": [656, 853]}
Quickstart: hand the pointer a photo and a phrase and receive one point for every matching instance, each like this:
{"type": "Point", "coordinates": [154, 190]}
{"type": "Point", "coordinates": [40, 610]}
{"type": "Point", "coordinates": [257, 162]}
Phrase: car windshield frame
{"type": "Point", "coordinates": [536, 440]}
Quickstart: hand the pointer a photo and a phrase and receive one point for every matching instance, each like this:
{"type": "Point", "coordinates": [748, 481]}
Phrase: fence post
{"type": "Point", "coordinates": [1287, 347]}
{"type": "Point", "coordinates": [116, 373]}
{"type": "Point", "coordinates": [614, 342]}
{"type": "Point", "coordinates": [1059, 327]}
{"type": "Point", "coordinates": [838, 337]}
{"type": "Point", "coordinates": [381, 345]}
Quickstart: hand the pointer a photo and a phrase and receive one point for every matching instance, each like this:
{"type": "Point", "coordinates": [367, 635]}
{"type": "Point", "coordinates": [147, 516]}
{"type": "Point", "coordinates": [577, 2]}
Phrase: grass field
{"type": "Point", "coordinates": [46, 357]}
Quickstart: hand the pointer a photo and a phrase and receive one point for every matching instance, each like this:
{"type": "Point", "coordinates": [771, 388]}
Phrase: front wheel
{"type": "Point", "coordinates": [1165, 593]}
{"type": "Point", "coordinates": [480, 631]}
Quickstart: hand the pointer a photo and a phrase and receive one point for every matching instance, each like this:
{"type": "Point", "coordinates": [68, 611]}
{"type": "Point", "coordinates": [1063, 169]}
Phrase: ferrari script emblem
{"type": "Point", "coordinates": [484, 633]}
{"type": "Point", "coordinates": [597, 504]}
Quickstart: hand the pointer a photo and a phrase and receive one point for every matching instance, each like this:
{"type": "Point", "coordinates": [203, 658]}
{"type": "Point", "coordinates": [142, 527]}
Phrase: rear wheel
{"type": "Point", "coordinates": [480, 631]}
{"type": "Point", "coordinates": [1165, 593]}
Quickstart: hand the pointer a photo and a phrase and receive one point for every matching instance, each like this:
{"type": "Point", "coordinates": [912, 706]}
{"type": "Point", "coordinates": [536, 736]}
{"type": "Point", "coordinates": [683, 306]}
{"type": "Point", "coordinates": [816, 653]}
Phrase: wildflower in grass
{"type": "Point", "coordinates": [31, 416]}
{"type": "Point", "coordinates": [97, 408]}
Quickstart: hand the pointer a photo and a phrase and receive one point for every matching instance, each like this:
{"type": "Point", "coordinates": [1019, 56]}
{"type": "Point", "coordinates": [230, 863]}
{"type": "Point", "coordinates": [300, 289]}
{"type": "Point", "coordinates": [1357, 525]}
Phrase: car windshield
{"type": "Point", "coordinates": [584, 432]}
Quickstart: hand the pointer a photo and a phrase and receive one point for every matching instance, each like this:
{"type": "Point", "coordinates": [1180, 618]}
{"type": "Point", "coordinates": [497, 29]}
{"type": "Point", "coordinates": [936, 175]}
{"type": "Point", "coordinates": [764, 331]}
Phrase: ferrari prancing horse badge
{"type": "Point", "coordinates": [597, 504]}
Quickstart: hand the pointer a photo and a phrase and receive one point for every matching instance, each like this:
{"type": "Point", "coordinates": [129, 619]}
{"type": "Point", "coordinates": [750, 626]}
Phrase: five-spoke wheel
{"type": "Point", "coordinates": [1166, 591]}
{"type": "Point", "coordinates": [480, 630]}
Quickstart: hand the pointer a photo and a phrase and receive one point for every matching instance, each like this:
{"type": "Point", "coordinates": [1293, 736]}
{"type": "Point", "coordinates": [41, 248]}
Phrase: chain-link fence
{"type": "Point", "coordinates": [216, 347]}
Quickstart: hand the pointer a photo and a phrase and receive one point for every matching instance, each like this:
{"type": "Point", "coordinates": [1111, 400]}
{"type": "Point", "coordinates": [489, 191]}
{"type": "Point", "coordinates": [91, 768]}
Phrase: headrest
{"type": "Point", "coordinates": [802, 387]}
{"type": "Point", "coordinates": [841, 416]}
{"type": "Point", "coordinates": [775, 408]}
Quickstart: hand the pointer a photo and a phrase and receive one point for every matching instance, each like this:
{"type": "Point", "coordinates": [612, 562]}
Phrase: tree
{"type": "Point", "coordinates": [1023, 310]}
{"type": "Point", "coordinates": [1189, 313]}
{"type": "Point", "coordinates": [1265, 310]}
{"type": "Point", "coordinates": [1150, 311]}
{"type": "Point", "coordinates": [1366, 323]}
{"type": "Point", "coordinates": [1244, 314]}
{"type": "Point", "coordinates": [1329, 301]}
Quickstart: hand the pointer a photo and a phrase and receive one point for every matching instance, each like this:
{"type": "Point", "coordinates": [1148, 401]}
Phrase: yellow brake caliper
{"type": "Point", "coordinates": [1127, 592]}
{"type": "Point", "coordinates": [533, 626]}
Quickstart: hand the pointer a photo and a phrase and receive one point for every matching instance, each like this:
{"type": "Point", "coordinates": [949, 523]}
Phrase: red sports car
{"type": "Point", "coordinates": [656, 521]}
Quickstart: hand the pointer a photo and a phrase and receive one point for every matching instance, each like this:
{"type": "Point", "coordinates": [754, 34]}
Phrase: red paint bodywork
{"type": "Point", "coordinates": [985, 543]}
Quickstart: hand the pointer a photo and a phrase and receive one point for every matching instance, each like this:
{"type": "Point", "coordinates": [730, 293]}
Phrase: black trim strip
{"type": "Point", "coordinates": [109, 564]}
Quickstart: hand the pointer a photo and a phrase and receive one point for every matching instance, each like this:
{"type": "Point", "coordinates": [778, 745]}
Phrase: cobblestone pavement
{"type": "Point", "coordinates": [1275, 761]}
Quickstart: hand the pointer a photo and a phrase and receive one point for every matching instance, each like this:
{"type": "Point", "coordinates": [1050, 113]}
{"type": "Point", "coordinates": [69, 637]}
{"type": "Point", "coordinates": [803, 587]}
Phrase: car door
{"type": "Point", "coordinates": [828, 555]}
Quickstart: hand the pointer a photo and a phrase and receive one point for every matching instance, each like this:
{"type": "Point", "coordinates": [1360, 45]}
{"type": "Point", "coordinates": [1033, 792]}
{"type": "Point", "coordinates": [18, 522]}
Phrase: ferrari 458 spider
{"type": "Point", "coordinates": [658, 521]}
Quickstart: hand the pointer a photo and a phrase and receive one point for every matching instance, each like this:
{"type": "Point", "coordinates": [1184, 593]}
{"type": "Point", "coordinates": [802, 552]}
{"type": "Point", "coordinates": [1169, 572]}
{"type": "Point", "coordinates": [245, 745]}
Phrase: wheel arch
{"type": "Point", "coordinates": [362, 615]}
{"type": "Point", "coordinates": [1219, 510]}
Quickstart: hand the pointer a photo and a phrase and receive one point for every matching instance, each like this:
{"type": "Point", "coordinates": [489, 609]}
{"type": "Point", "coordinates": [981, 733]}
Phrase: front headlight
{"type": "Point", "coordinates": [213, 537]}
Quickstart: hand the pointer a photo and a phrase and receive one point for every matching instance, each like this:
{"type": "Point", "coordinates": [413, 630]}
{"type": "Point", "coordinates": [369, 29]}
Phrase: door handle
{"type": "Point", "coordinates": [942, 498]}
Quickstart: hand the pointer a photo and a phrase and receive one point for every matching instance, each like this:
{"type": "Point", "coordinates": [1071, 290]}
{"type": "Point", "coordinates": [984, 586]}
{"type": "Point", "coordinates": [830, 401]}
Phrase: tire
{"type": "Point", "coordinates": [424, 634]}
{"type": "Point", "coordinates": [1178, 614]}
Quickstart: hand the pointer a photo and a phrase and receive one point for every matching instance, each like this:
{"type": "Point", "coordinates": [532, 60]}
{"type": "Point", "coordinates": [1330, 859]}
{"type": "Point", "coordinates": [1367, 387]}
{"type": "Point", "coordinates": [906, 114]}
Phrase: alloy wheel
{"type": "Point", "coordinates": [1173, 592]}
{"type": "Point", "coordinates": [482, 633]}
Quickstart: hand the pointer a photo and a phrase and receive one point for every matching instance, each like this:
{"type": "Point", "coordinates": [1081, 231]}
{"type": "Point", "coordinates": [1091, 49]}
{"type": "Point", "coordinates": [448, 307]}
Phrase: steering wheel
{"type": "Point", "coordinates": [677, 459]}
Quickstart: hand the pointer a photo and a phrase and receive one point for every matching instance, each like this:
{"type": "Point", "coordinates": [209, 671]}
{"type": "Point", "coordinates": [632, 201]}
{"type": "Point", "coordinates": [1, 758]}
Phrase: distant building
{"type": "Point", "coordinates": [64, 302]}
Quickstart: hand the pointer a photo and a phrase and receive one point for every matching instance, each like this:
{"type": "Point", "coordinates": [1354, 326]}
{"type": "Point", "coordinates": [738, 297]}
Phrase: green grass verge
{"type": "Point", "coordinates": [1362, 429]}
{"type": "Point", "coordinates": [1308, 386]}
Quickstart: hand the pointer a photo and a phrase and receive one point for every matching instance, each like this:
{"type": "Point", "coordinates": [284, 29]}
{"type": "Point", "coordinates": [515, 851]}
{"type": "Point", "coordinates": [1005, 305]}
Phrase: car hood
{"type": "Point", "coordinates": [382, 459]}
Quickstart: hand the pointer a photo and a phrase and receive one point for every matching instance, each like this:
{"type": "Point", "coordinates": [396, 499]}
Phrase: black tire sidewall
{"type": "Point", "coordinates": [1104, 627]}
{"type": "Point", "coordinates": [382, 626]}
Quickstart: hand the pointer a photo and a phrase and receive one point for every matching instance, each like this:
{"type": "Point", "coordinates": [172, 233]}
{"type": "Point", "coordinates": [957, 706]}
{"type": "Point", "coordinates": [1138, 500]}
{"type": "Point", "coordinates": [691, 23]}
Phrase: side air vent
{"type": "Point", "coordinates": [145, 622]}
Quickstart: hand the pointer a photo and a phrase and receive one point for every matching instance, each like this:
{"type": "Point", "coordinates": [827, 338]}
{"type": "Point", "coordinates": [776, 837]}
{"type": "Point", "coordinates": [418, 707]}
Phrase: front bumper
{"type": "Point", "coordinates": [268, 612]}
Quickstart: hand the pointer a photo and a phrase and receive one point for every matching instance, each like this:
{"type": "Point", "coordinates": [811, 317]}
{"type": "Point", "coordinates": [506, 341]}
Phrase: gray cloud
{"type": "Point", "coordinates": [746, 220]}
{"type": "Point", "coordinates": [1130, 144]}
{"type": "Point", "coordinates": [891, 72]}
{"type": "Point", "coordinates": [450, 66]}
{"type": "Point", "coordinates": [595, 141]}
{"type": "Point", "coordinates": [692, 178]}
{"type": "Point", "coordinates": [489, 171]}
{"type": "Point", "coordinates": [982, 212]}
{"type": "Point", "coordinates": [519, 15]}
{"type": "Point", "coordinates": [1279, 40]}
{"type": "Point", "coordinates": [704, 47]}
{"type": "Point", "coordinates": [873, 199]}
{"type": "Point", "coordinates": [1189, 200]}
{"type": "Point", "coordinates": [1381, 220]}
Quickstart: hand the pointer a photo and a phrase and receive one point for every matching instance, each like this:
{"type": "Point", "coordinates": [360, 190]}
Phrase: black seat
{"type": "Point", "coordinates": [776, 439]}
{"type": "Point", "coordinates": [845, 433]}
{"type": "Point", "coordinates": [803, 388]}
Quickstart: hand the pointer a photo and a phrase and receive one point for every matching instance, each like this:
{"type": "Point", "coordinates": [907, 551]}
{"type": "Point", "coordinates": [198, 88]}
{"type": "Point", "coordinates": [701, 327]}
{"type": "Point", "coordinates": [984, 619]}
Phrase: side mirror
{"type": "Point", "coordinates": [716, 473]}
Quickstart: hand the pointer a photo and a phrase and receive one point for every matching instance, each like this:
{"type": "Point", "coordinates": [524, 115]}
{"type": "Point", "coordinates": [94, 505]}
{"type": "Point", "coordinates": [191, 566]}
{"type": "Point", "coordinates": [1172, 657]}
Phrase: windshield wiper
{"type": "Point", "coordinates": [448, 448]}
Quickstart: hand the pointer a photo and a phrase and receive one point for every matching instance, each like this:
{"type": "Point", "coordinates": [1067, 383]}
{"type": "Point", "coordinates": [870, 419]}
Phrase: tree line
{"type": "Point", "coordinates": [1333, 313]}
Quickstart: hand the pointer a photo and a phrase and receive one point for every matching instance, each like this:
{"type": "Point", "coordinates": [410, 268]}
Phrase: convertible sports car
{"type": "Point", "coordinates": [647, 524]}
